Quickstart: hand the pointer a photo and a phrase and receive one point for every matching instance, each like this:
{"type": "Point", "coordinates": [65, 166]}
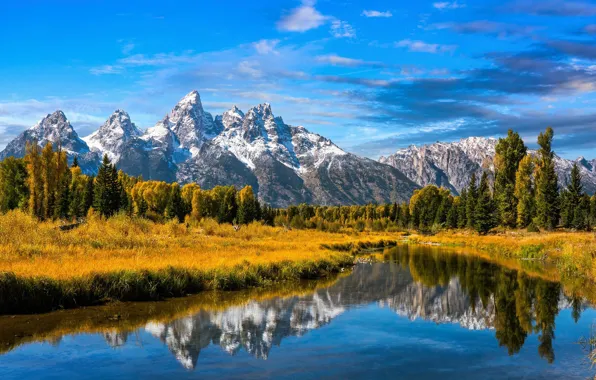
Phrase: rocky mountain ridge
{"type": "Point", "coordinates": [451, 164]}
{"type": "Point", "coordinates": [285, 164]}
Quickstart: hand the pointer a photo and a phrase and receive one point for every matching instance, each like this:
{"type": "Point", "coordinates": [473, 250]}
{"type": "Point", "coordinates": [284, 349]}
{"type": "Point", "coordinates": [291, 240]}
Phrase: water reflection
{"type": "Point", "coordinates": [415, 283]}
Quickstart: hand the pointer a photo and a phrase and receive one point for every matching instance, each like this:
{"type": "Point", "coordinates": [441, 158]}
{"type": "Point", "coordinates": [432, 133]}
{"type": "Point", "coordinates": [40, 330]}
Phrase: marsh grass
{"type": "Point", "coordinates": [571, 252]}
{"type": "Point", "coordinates": [43, 268]}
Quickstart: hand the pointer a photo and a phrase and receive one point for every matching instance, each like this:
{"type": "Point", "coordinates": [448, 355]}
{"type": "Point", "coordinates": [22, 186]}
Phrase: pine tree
{"type": "Point", "coordinates": [14, 190]}
{"type": "Point", "coordinates": [462, 216]}
{"type": "Point", "coordinates": [574, 209]}
{"type": "Point", "coordinates": [63, 182]}
{"type": "Point", "coordinates": [175, 208]}
{"type": "Point", "coordinates": [547, 192]}
{"type": "Point", "coordinates": [49, 178]}
{"type": "Point", "coordinates": [452, 215]}
{"type": "Point", "coordinates": [485, 209]}
{"type": "Point", "coordinates": [75, 162]}
{"type": "Point", "coordinates": [472, 198]}
{"type": "Point", "coordinates": [525, 192]}
{"type": "Point", "coordinates": [247, 207]}
{"type": "Point", "coordinates": [509, 152]}
{"type": "Point", "coordinates": [106, 199]}
{"type": "Point", "coordinates": [88, 196]}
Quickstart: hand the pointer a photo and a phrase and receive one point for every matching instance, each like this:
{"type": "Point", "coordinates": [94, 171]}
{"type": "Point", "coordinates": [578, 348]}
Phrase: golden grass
{"type": "Point", "coordinates": [31, 249]}
{"type": "Point", "coordinates": [571, 252]}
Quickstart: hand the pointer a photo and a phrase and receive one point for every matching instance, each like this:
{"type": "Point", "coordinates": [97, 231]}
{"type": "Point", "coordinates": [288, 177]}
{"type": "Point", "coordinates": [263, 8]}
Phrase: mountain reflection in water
{"type": "Point", "coordinates": [442, 288]}
{"type": "Point", "coordinates": [416, 284]}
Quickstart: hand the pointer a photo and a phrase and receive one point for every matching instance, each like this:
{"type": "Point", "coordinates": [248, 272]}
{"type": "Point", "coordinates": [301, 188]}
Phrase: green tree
{"type": "Point", "coordinates": [247, 207]}
{"type": "Point", "coordinates": [525, 192]}
{"type": "Point", "coordinates": [175, 207]}
{"type": "Point", "coordinates": [575, 205]}
{"type": "Point", "coordinates": [485, 209]}
{"type": "Point", "coordinates": [547, 191]}
{"type": "Point", "coordinates": [35, 179]}
{"type": "Point", "coordinates": [509, 152]}
{"type": "Point", "coordinates": [462, 216]}
{"type": "Point", "coordinates": [106, 192]}
{"type": "Point", "coordinates": [472, 198]}
{"type": "Point", "coordinates": [14, 190]}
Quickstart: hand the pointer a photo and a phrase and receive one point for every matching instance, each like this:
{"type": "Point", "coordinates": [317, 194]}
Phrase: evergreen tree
{"type": "Point", "coordinates": [472, 198]}
{"type": "Point", "coordinates": [49, 180]}
{"type": "Point", "coordinates": [525, 192]}
{"type": "Point", "coordinates": [462, 216]}
{"type": "Point", "coordinates": [89, 195]}
{"type": "Point", "coordinates": [175, 208]}
{"type": "Point", "coordinates": [485, 208]}
{"type": "Point", "coordinates": [14, 190]}
{"type": "Point", "coordinates": [106, 192]}
{"type": "Point", "coordinates": [509, 152]}
{"type": "Point", "coordinates": [75, 162]}
{"type": "Point", "coordinates": [574, 209]}
{"type": "Point", "coordinates": [547, 193]}
{"type": "Point", "coordinates": [63, 182]}
{"type": "Point", "coordinates": [452, 215]}
{"type": "Point", "coordinates": [247, 210]}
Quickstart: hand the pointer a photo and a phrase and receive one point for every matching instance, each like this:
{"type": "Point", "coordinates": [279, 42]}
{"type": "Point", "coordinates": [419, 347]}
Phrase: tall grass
{"type": "Point", "coordinates": [122, 258]}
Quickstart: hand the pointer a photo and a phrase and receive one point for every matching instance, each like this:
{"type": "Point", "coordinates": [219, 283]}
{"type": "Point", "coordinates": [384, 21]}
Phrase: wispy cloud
{"type": "Point", "coordinates": [106, 69]}
{"type": "Point", "coordinates": [265, 47]}
{"type": "Point", "coordinates": [372, 13]}
{"type": "Point", "coordinates": [444, 5]}
{"type": "Point", "coordinates": [302, 19]}
{"type": "Point", "coordinates": [486, 27]}
{"type": "Point", "coordinates": [590, 29]}
{"type": "Point", "coordinates": [553, 8]}
{"type": "Point", "coordinates": [341, 29]}
{"type": "Point", "coordinates": [423, 47]}
{"type": "Point", "coordinates": [127, 48]}
{"type": "Point", "coordinates": [336, 60]}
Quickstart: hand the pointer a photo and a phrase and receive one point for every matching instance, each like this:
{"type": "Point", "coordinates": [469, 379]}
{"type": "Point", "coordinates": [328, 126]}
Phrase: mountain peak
{"type": "Point", "coordinates": [113, 134]}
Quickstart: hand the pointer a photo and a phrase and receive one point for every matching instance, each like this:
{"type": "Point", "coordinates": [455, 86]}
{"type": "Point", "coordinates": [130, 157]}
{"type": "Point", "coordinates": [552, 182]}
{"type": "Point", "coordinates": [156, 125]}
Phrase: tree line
{"type": "Point", "coordinates": [524, 193]}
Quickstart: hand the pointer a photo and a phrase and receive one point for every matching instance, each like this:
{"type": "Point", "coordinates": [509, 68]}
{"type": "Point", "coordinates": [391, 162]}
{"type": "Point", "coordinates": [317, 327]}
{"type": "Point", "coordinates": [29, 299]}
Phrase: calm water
{"type": "Point", "coordinates": [422, 315]}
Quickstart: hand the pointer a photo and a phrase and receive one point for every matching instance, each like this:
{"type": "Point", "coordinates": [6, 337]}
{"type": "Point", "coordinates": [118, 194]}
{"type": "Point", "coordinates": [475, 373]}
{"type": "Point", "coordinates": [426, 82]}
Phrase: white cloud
{"type": "Point", "coordinates": [423, 47]}
{"type": "Point", "coordinates": [265, 47]}
{"type": "Point", "coordinates": [106, 69]}
{"type": "Point", "coordinates": [448, 5]}
{"type": "Point", "coordinates": [250, 68]}
{"type": "Point", "coordinates": [303, 18]}
{"type": "Point", "coordinates": [160, 59]}
{"type": "Point", "coordinates": [371, 13]}
{"type": "Point", "coordinates": [341, 29]}
{"type": "Point", "coordinates": [334, 59]}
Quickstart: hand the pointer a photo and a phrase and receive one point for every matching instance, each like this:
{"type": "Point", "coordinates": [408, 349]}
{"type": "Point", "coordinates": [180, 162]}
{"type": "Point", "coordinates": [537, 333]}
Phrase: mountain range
{"type": "Point", "coordinates": [451, 164]}
{"type": "Point", "coordinates": [285, 164]}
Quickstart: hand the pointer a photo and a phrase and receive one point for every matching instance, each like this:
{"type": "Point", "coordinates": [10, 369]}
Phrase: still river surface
{"type": "Point", "coordinates": [421, 313]}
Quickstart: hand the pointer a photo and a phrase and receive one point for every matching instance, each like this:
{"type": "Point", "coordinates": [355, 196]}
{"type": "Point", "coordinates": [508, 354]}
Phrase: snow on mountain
{"type": "Point", "coordinates": [54, 128]}
{"type": "Point", "coordinates": [284, 164]}
{"type": "Point", "coordinates": [113, 135]}
{"type": "Point", "coordinates": [451, 164]}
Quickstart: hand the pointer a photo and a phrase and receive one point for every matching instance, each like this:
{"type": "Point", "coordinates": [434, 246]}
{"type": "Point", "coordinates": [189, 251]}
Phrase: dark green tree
{"type": "Point", "coordinates": [472, 198]}
{"type": "Point", "coordinates": [462, 216]}
{"type": "Point", "coordinates": [547, 190]}
{"type": "Point", "coordinates": [509, 152]}
{"type": "Point", "coordinates": [485, 209]}
{"type": "Point", "coordinates": [175, 208]}
{"type": "Point", "coordinates": [14, 190]}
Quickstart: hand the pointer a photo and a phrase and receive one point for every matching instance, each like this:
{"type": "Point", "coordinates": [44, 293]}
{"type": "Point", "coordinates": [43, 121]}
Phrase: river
{"type": "Point", "coordinates": [420, 312]}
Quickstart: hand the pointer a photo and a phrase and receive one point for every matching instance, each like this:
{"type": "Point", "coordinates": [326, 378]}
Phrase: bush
{"type": "Point", "coordinates": [533, 228]}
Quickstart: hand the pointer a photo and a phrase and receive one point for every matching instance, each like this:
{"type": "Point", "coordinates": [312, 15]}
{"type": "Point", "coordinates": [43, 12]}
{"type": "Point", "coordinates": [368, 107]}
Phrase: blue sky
{"type": "Point", "coordinates": [373, 76]}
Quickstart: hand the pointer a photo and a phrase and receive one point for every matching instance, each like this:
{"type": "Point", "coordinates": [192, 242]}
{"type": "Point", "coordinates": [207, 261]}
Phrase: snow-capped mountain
{"type": "Point", "coordinates": [54, 128]}
{"type": "Point", "coordinates": [113, 135]}
{"type": "Point", "coordinates": [284, 164]}
{"type": "Point", "coordinates": [451, 164]}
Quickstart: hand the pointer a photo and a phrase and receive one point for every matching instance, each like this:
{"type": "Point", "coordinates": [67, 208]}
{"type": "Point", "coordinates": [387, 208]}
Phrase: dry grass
{"type": "Point", "coordinates": [30, 249]}
{"type": "Point", "coordinates": [571, 252]}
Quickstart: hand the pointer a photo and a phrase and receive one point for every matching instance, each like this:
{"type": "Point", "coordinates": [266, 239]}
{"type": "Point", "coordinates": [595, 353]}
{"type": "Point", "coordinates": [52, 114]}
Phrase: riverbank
{"type": "Point", "coordinates": [43, 267]}
{"type": "Point", "coordinates": [571, 252]}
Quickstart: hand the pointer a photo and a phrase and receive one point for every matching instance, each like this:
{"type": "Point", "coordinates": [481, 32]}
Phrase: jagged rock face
{"type": "Point", "coordinates": [112, 137]}
{"type": "Point", "coordinates": [54, 128]}
{"type": "Point", "coordinates": [286, 165]}
{"type": "Point", "coordinates": [451, 164]}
